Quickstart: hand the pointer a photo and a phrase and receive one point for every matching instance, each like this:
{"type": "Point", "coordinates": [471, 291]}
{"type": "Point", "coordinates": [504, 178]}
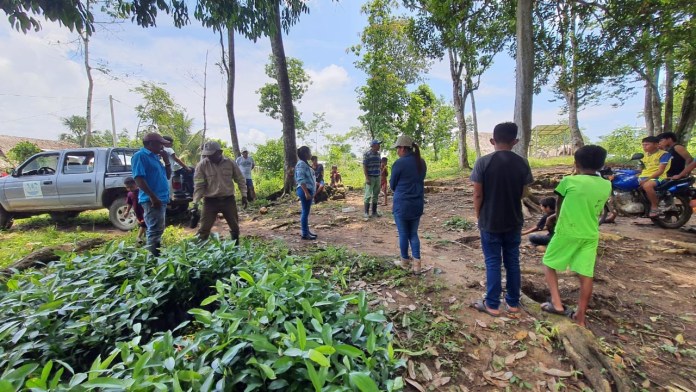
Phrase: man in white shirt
{"type": "Point", "coordinates": [246, 165]}
{"type": "Point", "coordinates": [178, 166]}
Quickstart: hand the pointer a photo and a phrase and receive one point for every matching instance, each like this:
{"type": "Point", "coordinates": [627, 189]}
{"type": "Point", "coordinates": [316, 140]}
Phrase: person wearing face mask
{"type": "Point", "coordinates": [213, 182]}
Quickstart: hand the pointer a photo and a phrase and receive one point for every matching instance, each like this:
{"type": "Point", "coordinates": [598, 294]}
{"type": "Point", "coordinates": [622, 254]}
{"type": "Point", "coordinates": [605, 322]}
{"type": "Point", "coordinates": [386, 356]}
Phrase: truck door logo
{"type": "Point", "coordinates": [32, 189]}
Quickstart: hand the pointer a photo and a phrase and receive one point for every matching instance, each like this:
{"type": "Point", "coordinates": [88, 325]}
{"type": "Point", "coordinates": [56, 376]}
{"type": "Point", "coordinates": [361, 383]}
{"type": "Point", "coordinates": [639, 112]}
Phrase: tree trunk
{"type": "Point", "coordinates": [687, 119]}
{"type": "Point", "coordinates": [524, 88]}
{"type": "Point", "coordinates": [477, 144]}
{"type": "Point", "coordinates": [669, 95]}
{"type": "Point", "coordinates": [456, 73]}
{"type": "Point", "coordinates": [656, 102]}
{"type": "Point", "coordinates": [90, 85]}
{"type": "Point", "coordinates": [575, 134]}
{"type": "Point", "coordinates": [205, 97]}
{"type": "Point", "coordinates": [230, 92]}
{"type": "Point", "coordinates": [286, 108]}
{"type": "Point", "coordinates": [647, 109]}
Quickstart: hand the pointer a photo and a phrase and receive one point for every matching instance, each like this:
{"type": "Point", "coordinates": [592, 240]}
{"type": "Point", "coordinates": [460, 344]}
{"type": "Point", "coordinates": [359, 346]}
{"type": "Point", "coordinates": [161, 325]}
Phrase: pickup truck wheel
{"type": "Point", "coordinates": [6, 219]}
{"type": "Point", "coordinates": [116, 210]}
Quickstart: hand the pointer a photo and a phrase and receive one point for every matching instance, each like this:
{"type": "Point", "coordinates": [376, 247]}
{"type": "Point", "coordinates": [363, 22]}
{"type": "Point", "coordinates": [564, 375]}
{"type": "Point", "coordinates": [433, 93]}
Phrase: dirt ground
{"type": "Point", "coordinates": [642, 312]}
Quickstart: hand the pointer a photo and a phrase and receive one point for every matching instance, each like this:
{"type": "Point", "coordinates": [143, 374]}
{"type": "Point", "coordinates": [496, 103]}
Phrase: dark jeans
{"type": "Point", "coordinates": [155, 221]}
{"type": "Point", "coordinates": [539, 239]}
{"type": "Point", "coordinates": [408, 234]}
{"type": "Point", "coordinates": [211, 207]}
{"type": "Point", "coordinates": [306, 206]}
{"type": "Point", "coordinates": [502, 249]}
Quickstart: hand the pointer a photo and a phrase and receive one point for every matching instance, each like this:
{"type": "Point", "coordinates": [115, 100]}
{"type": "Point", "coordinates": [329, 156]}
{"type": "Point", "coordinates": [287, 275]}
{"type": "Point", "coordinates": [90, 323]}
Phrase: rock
{"type": "Point", "coordinates": [263, 210]}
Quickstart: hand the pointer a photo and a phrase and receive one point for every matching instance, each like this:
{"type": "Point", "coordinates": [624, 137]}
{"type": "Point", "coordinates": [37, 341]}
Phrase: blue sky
{"type": "Point", "coordinates": [42, 78]}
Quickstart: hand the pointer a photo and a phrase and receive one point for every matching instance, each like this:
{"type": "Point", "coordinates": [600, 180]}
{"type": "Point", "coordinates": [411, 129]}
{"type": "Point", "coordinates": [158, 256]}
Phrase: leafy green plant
{"type": "Point", "coordinates": [458, 223]}
{"type": "Point", "coordinates": [269, 325]}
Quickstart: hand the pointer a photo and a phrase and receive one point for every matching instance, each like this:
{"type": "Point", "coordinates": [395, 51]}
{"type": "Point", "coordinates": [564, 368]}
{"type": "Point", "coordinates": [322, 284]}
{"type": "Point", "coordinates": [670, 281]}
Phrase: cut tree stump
{"type": "Point", "coordinates": [47, 254]}
{"type": "Point", "coordinates": [582, 348]}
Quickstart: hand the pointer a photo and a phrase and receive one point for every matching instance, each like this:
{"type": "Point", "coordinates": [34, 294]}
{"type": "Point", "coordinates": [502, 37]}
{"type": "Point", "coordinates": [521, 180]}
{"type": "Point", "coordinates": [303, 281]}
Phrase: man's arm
{"type": "Point", "coordinates": [199, 184]}
{"type": "Point", "coordinates": [478, 198]}
{"type": "Point", "coordinates": [142, 184]}
{"type": "Point", "coordinates": [180, 162]}
{"type": "Point", "coordinates": [690, 167]}
{"type": "Point", "coordinates": [684, 153]}
{"type": "Point", "coordinates": [240, 180]}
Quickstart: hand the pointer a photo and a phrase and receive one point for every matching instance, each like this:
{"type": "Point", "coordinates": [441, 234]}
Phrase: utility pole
{"type": "Point", "coordinates": [113, 121]}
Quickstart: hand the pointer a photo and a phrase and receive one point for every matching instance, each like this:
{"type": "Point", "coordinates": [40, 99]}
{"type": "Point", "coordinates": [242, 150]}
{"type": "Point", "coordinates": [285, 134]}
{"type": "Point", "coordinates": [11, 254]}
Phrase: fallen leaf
{"type": "Point", "coordinates": [507, 375]}
{"type": "Point", "coordinates": [554, 372]}
{"type": "Point", "coordinates": [618, 360]}
{"type": "Point", "coordinates": [438, 319]}
{"type": "Point", "coordinates": [452, 299]}
{"type": "Point", "coordinates": [481, 323]}
{"type": "Point", "coordinates": [411, 369]}
{"type": "Point", "coordinates": [532, 336]}
{"type": "Point", "coordinates": [433, 351]}
{"type": "Point", "coordinates": [653, 319]}
{"type": "Point", "coordinates": [437, 364]}
{"type": "Point", "coordinates": [427, 375]}
{"type": "Point", "coordinates": [444, 380]}
{"type": "Point", "coordinates": [521, 335]}
{"type": "Point", "coordinates": [646, 383]}
{"type": "Point", "coordinates": [400, 294]}
{"type": "Point", "coordinates": [492, 344]}
{"type": "Point", "coordinates": [489, 377]}
{"type": "Point", "coordinates": [468, 373]}
{"type": "Point", "coordinates": [415, 384]}
{"type": "Point", "coordinates": [680, 339]}
{"type": "Point", "coordinates": [521, 354]}
{"type": "Point", "coordinates": [462, 388]}
{"type": "Point", "coordinates": [510, 359]}
{"type": "Point", "coordinates": [412, 307]}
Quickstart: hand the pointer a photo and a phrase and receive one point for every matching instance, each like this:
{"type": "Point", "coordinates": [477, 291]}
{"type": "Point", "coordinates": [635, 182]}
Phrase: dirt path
{"type": "Point", "coordinates": [642, 313]}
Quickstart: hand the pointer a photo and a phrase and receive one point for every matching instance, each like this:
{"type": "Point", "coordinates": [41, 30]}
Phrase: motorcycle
{"type": "Point", "coordinates": [629, 198]}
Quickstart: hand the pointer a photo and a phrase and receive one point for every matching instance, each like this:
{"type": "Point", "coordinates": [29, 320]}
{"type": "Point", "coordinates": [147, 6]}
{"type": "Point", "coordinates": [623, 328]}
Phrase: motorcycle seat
{"type": "Point", "coordinates": [670, 183]}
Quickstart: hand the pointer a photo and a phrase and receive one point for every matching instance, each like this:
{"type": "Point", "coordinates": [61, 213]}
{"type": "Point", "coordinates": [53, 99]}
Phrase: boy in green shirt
{"type": "Point", "coordinates": [581, 199]}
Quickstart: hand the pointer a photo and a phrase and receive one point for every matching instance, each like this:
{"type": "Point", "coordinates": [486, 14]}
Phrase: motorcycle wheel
{"type": "Point", "coordinates": [677, 216]}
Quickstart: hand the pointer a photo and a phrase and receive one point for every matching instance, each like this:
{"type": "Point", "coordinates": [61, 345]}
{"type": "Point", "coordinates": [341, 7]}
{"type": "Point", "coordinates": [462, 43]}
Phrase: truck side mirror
{"type": "Point", "coordinates": [637, 156]}
{"type": "Point", "coordinates": [14, 173]}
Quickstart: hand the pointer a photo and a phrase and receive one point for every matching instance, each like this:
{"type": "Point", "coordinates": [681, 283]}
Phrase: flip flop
{"type": "Point", "coordinates": [480, 305]}
{"type": "Point", "coordinates": [549, 308]}
{"type": "Point", "coordinates": [511, 312]}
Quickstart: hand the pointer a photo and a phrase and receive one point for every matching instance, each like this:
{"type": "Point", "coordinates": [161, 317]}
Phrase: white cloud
{"type": "Point", "coordinates": [329, 77]}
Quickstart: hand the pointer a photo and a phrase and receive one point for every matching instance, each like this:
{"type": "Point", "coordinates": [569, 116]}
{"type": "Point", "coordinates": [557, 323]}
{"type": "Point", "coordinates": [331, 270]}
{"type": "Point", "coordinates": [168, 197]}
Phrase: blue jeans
{"type": "Point", "coordinates": [304, 216]}
{"type": "Point", "coordinates": [502, 249]}
{"type": "Point", "coordinates": [408, 234]}
{"type": "Point", "coordinates": [154, 219]}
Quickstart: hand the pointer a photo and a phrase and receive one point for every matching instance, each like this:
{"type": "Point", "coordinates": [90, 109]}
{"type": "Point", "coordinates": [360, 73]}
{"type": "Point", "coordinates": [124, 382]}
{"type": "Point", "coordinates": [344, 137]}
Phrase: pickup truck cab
{"type": "Point", "coordinates": [67, 182]}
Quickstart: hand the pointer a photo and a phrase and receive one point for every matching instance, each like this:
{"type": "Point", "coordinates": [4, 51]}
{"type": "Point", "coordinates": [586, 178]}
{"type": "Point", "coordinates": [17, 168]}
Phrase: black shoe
{"type": "Point", "coordinates": [309, 238]}
{"type": "Point", "coordinates": [313, 235]}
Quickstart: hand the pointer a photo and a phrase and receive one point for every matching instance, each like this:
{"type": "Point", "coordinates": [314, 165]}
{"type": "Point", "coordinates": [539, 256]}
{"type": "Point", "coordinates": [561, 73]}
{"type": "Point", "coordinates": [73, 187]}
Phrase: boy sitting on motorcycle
{"type": "Point", "coordinates": [581, 198]}
{"type": "Point", "coordinates": [656, 163]}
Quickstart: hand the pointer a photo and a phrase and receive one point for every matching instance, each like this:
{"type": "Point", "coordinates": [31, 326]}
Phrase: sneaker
{"type": "Point", "coordinates": [366, 216]}
{"type": "Point", "coordinates": [377, 214]}
{"type": "Point", "coordinates": [403, 263]}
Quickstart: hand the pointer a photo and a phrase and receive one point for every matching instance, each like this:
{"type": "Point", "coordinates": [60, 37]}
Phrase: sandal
{"type": "Point", "coordinates": [510, 311]}
{"type": "Point", "coordinates": [654, 213]}
{"type": "Point", "coordinates": [480, 305]}
{"type": "Point", "coordinates": [549, 308]}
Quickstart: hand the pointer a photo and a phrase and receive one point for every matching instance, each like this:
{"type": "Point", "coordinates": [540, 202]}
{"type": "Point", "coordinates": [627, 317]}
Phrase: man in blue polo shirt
{"type": "Point", "coordinates": [151, 177]}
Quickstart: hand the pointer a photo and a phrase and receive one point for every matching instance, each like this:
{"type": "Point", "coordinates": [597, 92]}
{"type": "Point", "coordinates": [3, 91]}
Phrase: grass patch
{"type": "Point", "coordinates": [31, 234]}
{"type": "Point", "coordinates": [458, 223]}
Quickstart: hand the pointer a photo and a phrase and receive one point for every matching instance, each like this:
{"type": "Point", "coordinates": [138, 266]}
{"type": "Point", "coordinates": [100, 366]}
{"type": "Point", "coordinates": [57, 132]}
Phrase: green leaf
{"type": "Point", "coordinates": [326, 350]}
{"type": "Point", "coordinates": [301, 334]}
{"type": "Point", "coordinates": [202, 316]}
{"type": "Point", "coordinates": [351, 351]}
{"type": "Point", "coordinates": [21, 373]}
{"type": "Point", "coordinates": [261, 343]}
{"type": "Point", "coordinates": [169, 364]}
{"type": "Point", "coordinates": [245, 275]}
{"type": "Point", "coordinates": [278, 384]}
{"type": "Point", "coordinates": [293, 352]}
{"type": "Point", "coordinates": [209, 300]}
{"type": "Point", "coordinates": [12, 284]}
{"type": "Point", "coordinates": [6, 386]}
{"type": "Point", "coordinates": [267, 371]}
{"type": "Point", "coordinates": [314, 377]}
{"type": "Point", "coordinates": [46, 372]}
{"type": "Point", "coordinates": [232, 352]}
{"type": "Point", "coordinates": [371, 343]}
{"type": "Point", "coordinates": [188, 375]}
{"type": "Point", "coordinates": [108, 382]}
{"type": "Point", "coordinates": [375, 317]}
{"type": "Point", "coordinates": [318, 357]}
{"type": "Point", "coordinates": [363, 382]}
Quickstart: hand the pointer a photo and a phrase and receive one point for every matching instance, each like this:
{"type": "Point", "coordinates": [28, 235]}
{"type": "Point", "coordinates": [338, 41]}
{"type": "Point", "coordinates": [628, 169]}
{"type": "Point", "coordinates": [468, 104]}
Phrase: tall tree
{"type": "Point", "coordinates": [471, 33]}
{"type": "Point", "coordinates": [443, 122]}
{"type": "Point", "coordinates": [420, 111]}
{"type": "Point", "coordinates": [77, 129]}
{"type": "Point", "coordinates": [269, 94]}
{"type": "Point", "coordinates": [524, 75]}
{"type": "Point", "coordinates": [392, 62]}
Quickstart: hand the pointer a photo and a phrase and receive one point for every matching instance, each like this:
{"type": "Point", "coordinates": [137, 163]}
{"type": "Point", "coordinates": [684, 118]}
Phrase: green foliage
{"type": "Point", "coordinates": [391, 62]}
{"type": "Point", "coordinates": [269, 94]}
{"type": "Point", "coordinates": [23, 150]}
{"type": "Point", "coordinates": [77, 127]}
{"type": "Point", "coordinates": [270, 156]}
{"type": "Point", "coordinates": [160, 113]}
{"type": "Point", "coordinates": [269, 325]}
{"type": "Point", "coordinates": [623, 142]}
{"type": "Point", "coordinates": [458, 223]}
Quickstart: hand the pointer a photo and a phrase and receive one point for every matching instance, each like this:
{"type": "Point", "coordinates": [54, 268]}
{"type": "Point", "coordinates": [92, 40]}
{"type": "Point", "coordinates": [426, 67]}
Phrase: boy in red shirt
{"type": "Point", "coordinates": [133, 205]}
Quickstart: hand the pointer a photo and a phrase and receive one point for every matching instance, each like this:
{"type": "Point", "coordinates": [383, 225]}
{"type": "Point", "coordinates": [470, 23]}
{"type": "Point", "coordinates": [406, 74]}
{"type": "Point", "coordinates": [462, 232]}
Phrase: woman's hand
{"type": "Point", "coordinates": [307, 195]}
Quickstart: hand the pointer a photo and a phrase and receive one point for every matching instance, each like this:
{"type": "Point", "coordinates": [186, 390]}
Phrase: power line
{"type": "Point", "coordinates": [47, 96]}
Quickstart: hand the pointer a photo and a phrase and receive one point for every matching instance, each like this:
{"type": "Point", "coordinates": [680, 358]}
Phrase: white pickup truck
{"type": "Point", "coordinates": [67, 182]}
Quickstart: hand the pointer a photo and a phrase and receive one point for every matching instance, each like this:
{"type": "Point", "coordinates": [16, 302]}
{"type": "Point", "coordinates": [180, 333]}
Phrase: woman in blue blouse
{"type": "Point", "coordinates": [306, 188]}
{"type": "Point", "coordinates": [407, 183]}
